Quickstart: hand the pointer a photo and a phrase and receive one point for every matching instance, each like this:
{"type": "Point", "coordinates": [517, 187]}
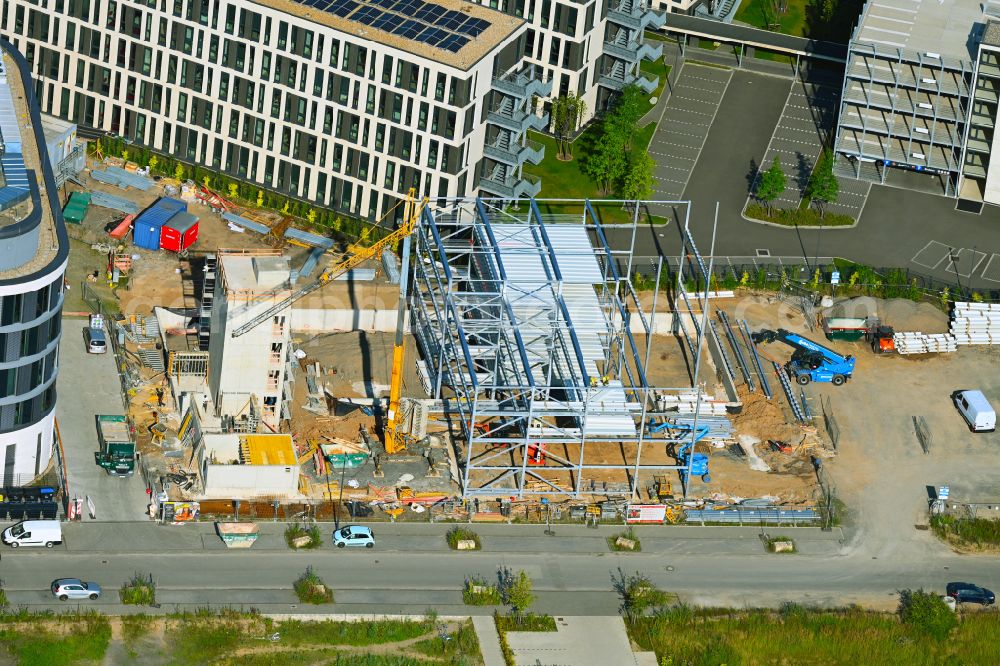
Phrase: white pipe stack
{"type": "Point", "coordinates": [686, 402]}
{"type": "Point", "coordinates": [976, 323]}
{"type": "Point", "coordinates": [924, 343]}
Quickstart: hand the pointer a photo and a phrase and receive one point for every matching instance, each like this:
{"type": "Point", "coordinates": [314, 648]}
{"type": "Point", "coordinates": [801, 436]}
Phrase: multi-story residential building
{"type": "Point", "coordinates": [591, 48]}
{"type": "Point", "coordinates": [920, 97]}
{"type": "Point", "coordinates": [347, 103]}
{"type": "Point", "coordinates": [33, 254]}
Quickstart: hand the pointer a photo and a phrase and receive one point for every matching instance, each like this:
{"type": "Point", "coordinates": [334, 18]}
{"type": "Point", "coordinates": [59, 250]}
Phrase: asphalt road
{"type": "Point", "coordinates": [114, 498]}
{"type": "Point", "coordinates": [572, 572]}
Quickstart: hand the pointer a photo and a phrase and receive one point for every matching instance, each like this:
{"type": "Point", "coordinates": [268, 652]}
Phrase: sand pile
{"type": "Point", "coordinates": [763, 419]}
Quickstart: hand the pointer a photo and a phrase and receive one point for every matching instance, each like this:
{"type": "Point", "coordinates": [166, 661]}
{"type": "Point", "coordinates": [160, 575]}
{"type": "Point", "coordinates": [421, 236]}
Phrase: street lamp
{"type": "Point", "coordinates": [954, 258]}
{"type": "Point", "coordinates": [548, 508]}
{"type": "Point", "coordinates": [340, 499]}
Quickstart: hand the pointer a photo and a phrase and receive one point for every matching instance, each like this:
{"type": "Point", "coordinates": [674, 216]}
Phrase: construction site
{"type": "Point", "coordinates": [484, 361]}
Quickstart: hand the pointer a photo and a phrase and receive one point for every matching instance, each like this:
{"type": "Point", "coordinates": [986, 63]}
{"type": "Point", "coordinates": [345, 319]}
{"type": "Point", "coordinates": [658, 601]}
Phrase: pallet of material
{"type": "Point", "coordinates": [924, 343]}
{"type": "Point", "coordinates": [488, 517]}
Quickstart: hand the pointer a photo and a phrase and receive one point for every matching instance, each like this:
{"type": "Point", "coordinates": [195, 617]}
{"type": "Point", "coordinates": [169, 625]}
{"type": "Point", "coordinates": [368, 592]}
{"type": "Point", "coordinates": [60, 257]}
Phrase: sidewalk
{"type": "Point", "coordinates": [148, 537]}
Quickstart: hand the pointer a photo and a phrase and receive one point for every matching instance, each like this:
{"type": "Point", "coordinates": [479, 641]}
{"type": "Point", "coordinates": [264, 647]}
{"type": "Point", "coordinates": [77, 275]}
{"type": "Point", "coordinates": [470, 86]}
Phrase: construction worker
{"type": "Point", "coordinates": [604, 380]}
{"type": "Point", "coordinates": [593, 382]}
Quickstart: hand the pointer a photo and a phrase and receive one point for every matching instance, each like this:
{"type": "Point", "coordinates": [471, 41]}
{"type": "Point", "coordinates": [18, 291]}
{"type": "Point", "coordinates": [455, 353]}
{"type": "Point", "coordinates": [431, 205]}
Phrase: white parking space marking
{"type": "Point", "coordinates": [931, 255]}
{"type": "Point", "coordinates": [964, 262]}
{"type": "Point", "coordinates": [685, 125]}
{"type": "Point", "coordinates": [991, 272]}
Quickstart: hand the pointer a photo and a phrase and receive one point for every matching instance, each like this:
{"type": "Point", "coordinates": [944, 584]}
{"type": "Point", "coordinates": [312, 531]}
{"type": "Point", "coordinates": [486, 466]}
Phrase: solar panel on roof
{"type": "Point", "coordinates": [473, 27]}
{"type": "Point", "coordinates": [421, 21]}
{"type": "Point", "coordinates": [387, 22]}
{"type": "Point", "coordinates": [342, 7]}
{"type": "Point", "coordinates": [367, 15]}
{"type": "Point", "coordinates": [453, 43]}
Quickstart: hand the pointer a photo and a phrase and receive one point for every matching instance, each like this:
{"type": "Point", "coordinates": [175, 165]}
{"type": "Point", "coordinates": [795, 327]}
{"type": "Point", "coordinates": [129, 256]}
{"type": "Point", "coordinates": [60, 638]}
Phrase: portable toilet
{"type": "Point", "coordinates": [179, 232]}
{"type": "Point", "coordinates": [147, 226]}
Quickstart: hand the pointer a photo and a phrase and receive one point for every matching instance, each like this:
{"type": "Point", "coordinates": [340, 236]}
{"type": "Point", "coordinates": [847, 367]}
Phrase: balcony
{"type": "Point", "coordinates": [518, 121]}
{"type": "Point", "coordinates": [635, 16]}
{"type": "Point", "coordinates": [516, 155]}
{"type": "Point", "coordinates": [523, 84]}
{"type": "Point", "coordinates": [512, 187]}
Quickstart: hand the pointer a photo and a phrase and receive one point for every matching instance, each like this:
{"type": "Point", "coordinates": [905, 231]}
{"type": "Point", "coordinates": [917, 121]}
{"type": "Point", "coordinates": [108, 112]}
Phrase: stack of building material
{"type": "Point", "coordinates": [685, 403]}
{"type": "Point", "coordinates": [121, 178]}
{"type": "Point", "coordinates": [719, 427]}
{"type": "Point", "coordinates": [105, 200]}
{"type": "Point", "coordinates": [924, 343]}
{"type": "Point", "coordinates": [976, 323]}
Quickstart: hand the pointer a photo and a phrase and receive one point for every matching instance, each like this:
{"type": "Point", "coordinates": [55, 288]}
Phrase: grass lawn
{"type": "Point", "coordinates": [760, 13]}
{"type": "Point", "coordinates": [799, 636]}
{"type": "Point", "coordinates": [567, 180]}
{"type": "Point", "coordinates": [72, 639]}
{"type": "Point", "coordinates": [232, 637]}
{"type": "Point", "coordinates": [796, 20]}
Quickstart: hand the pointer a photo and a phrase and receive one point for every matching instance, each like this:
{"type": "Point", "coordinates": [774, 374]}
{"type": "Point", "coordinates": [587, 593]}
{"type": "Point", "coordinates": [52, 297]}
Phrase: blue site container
{"type": "Point", "coordinates": [148, 225]}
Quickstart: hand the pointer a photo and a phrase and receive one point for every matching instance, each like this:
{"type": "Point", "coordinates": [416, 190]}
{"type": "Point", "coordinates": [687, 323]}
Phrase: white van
{"type": "Point", "coordinates": [33, 533]}
{"type": "Point", "coordinates": [976, 410]}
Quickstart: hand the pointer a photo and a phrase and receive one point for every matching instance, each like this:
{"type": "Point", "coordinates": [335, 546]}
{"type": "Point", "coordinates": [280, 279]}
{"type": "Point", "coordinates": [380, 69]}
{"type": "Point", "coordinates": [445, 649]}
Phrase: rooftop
{"type": "Point", "coordinates": [24, 218]}
{"type": "Point", "coordinates": [944, 27]}
{"type": "Point", "coordinates": [235, 449]}
{"type": "Point", "coordinates": [431, 30]}
{"type": "Point", "coordinates": [253, 271]}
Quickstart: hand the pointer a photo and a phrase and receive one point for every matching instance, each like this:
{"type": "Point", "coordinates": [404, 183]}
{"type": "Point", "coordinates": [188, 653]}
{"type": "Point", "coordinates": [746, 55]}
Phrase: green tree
{"type": "Point", "coordinates": [516, 590]}
{"type": "Point", "coordinates": [567, 111]}
{"type": "Point", "coordinates": [772, 183]}
{"type": "Point", "coordinates": [823, 186]}
{"type": "Point", "coordinates": [927, 612]}
{"type": "Point", "coordinates": [608, 162]}
{"type": "Point", "coordinates": [628, 110]}
{"type": "Point", "coordinates": [637, 184]}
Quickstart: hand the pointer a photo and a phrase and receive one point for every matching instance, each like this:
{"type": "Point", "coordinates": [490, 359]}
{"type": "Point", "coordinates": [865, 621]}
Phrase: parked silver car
{"type": "Point", "coordinates": [74, 588]}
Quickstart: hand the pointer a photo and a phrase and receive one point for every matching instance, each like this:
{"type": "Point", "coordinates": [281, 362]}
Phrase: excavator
{"type": "Point", "coordinates": [395, 436]}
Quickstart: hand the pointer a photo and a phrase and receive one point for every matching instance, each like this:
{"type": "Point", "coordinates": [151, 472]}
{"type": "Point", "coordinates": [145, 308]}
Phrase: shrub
{"type": "Point", "coordinates": [523, 622]}
{"type": "Point", "coordinates": [771, 544]}
{"type": "Point", "coordinates": [927, 612]}
{"type": "Point", "coordinates": [457, 534]}
{"type": "Point", "coordinates": [477, 592]}
{"type": "Point", "coordinates": [140, 590]}
{"type": "Point", "coordinates": [627, 534]}
{"type": "Point", "coordinates": [978, 532]}
{"type": "Point", "coordinates": [797, 217]}
{"type": "Point", "coordinates": [310, 588]}
{"type": "Point", "coordinates": [295, 531]}
{"type": "Point", "coordinates": [4, 602]}
{"type": "Point", "coordinates": [638, 594]}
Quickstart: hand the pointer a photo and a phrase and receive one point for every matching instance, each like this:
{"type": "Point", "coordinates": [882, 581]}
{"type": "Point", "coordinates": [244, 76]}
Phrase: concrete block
{"type": "Point", "coordinates": [302, 541]}
{"type": "Point", "coordinates": [627, 544]}
{"type": "Point", "coordinates": [466, 544]}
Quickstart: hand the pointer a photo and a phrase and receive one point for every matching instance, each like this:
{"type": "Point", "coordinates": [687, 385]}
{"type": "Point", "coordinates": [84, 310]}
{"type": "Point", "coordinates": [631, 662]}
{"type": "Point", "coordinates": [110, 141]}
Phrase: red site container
{"type": "Point", "coordinates": [179, 233]}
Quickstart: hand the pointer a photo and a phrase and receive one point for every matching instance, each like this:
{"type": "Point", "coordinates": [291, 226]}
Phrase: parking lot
{"type": "Point", "coordinates": [806, 123]}
{"type": "Point", "coordinates": [684, 127]}
{"type": "Point", "coordinates": [88, 385]}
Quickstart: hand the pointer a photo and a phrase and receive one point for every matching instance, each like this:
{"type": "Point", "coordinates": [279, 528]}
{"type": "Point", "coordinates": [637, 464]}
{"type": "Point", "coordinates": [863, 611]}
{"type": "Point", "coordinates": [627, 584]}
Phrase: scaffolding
{"type": "Point", "coordinates": [526, 322]}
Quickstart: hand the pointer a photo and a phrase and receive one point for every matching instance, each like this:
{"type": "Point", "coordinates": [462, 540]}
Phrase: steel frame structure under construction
{"type": "Point", "coordinates": [526, 322]}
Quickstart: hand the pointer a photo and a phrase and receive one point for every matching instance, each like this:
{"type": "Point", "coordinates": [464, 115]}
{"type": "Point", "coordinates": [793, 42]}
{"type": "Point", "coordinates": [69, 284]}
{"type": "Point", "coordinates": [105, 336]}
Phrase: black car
{"type": "Point", "coordinates": [971, 594]}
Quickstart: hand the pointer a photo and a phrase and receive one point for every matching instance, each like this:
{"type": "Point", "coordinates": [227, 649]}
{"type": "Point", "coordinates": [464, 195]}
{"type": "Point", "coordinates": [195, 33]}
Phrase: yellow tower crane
{"type": "Point", "coordinates": [395, 438]}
